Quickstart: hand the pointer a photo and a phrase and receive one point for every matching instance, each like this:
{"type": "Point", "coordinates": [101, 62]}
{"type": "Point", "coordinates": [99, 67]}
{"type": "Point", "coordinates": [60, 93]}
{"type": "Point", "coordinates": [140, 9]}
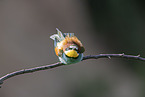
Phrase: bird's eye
{"type": "Point", "coordinates": [68, 49]}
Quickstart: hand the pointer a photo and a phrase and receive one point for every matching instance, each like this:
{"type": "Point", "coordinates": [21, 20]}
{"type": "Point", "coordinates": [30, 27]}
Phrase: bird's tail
{"type": "Point", "coordinates": [59, 36]}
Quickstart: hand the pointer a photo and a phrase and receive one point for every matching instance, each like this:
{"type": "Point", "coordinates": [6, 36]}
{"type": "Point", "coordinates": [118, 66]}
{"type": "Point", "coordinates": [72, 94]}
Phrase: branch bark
{"type": "Point", "coordinates": [30, 70]}
{"type": "Point", "coordinates": [115, 56]}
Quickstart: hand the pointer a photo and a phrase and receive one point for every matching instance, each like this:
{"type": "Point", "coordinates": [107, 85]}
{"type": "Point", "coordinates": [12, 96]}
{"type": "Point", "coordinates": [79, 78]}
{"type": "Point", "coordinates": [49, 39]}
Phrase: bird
{"type": "Point", "coordinates": [68, 47]}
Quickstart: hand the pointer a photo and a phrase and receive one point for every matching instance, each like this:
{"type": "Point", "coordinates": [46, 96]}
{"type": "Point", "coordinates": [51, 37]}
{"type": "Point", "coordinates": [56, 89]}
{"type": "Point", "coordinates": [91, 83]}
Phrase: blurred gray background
{"type": "Point", "coordinates": [103, 26]}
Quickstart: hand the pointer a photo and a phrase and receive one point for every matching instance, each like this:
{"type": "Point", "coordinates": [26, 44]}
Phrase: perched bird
{"type": "Point", "coordinates": [67, 47]}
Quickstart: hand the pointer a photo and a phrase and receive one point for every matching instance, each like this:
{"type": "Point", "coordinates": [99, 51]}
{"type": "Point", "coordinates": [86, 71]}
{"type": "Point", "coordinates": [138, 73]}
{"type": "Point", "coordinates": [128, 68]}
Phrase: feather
{"type": "Point", "coordinates": [59, 36]}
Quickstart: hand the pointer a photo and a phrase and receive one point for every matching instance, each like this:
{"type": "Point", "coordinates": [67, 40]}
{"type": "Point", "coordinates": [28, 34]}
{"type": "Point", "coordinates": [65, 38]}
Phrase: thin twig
{"type": "Point", "coordinates": [30, 70]}
{"type": "Point", "coordinates": [115, 56]}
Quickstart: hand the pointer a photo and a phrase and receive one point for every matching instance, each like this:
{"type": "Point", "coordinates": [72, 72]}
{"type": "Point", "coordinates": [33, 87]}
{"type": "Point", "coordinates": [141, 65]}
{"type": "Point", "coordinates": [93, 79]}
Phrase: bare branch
{"type": "Point", "coordinates": [30, 70]}
{"type": "Point", "coordinates": [115, 56]}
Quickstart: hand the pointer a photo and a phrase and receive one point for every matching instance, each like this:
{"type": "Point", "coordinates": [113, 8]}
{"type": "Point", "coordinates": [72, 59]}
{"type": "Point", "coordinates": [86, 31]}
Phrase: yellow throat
{"type": "Point", "coordinates": [71, 53]}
